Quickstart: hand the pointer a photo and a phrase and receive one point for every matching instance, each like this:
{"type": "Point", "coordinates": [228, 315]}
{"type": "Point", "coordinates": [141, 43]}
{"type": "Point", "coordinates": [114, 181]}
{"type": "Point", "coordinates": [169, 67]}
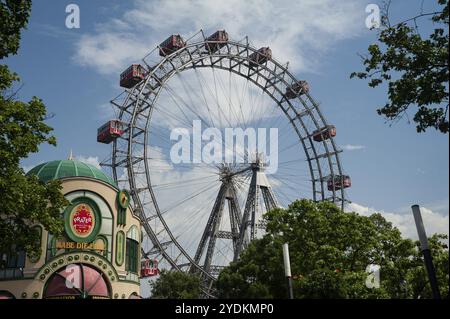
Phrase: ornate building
{"type": "Point", "coordinates": [99, 254]}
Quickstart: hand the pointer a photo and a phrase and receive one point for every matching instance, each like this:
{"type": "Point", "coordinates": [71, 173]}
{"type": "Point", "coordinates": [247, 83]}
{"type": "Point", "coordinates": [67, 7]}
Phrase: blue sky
{"type": "Point", "coordinates": [75, 72]}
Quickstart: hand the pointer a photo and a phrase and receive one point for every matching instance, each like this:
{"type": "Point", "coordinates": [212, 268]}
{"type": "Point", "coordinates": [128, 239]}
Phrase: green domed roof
{"type": "Point", "coordinates": [69, 168]}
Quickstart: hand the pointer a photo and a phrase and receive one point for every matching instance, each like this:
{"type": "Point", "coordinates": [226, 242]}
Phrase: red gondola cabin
{"type": "Point", "coordinates": [324, 133]}
{"type": "Point", "coordinates": [110, 131]}
{"type": "Point", "coordinates": [216, 40]}
{"type": "Point", "coordinates": [149, 268]}
{"type": "Point", "coordinates": [171, 44]}
{"type": "Point", "coordinates": [260, 56]}
{"type": "Point", "coordinates": [339, 182]}
{"type": "Point", "coordinates": [296, 89]}
{"type": "Point", "coordinates": [132, 76]}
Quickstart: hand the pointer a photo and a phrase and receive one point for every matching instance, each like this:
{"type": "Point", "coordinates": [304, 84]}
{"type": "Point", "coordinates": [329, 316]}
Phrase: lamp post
{"type": "Point", "coordinates": [287, 270]}
{"type": "Point", "coordinates": [426, 251]}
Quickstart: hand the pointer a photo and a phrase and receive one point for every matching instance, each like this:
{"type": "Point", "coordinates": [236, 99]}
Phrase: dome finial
{"type": "Point", "coordinates": [70, 156]}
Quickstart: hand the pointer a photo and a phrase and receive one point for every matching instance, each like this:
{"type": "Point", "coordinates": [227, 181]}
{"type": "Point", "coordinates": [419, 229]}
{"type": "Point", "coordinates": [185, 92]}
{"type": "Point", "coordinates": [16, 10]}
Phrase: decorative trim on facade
{"type": "Point", "coordinates": [120, 248]}
{"type": "Point", "coordinates": [77, 257]}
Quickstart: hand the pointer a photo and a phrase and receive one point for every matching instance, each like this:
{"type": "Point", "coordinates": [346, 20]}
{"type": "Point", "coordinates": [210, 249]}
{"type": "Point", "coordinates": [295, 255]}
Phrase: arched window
{"type": "Point", "coordinates": [4, 294]}
{"type": "Point", "coordinates": [101, 245]}
{"type": "Point", "coordinates": [77, 281]}
{"type": "Point", "coordinates": [12, 263]}
{"type": "Point", "coordinates": [132, 256]}
{"type": "Point", "coordinates": [132, 250]}
{"type": "Point", "coordinates": [135, 295]}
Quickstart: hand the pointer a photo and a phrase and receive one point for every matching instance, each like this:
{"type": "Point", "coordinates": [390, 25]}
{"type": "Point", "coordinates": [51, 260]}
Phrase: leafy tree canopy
{"type": "Point", "coordinates": [176, 285]}
{"type": "Point", "coordinates": [25, 200]}
{"type": "Point", "coordinates": [14, 16]}
{"type": "Point", "coordinates": [415, 67]}
{"type": "Point", "coordinates": [330, 251]}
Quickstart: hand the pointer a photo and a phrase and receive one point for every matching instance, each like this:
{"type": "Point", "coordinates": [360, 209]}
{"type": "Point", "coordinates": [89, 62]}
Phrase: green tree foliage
{"type": "Point", "coordinates": [14, 16]}
{"type": "Point", "coordinates": [329, 252]}
{"type": "Point", "coordinates": [176, 285]}
{"type": "Point", "coordinates": [24, 200]}
{"type": "Point", "coordinates": [417, 276]}
{"type": "Point", "coordinates": [415, 67]}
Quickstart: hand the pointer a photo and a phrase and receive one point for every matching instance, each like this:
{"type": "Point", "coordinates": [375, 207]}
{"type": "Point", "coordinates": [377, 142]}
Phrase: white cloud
{"type": "Point", "coordinates": [48, 30]}
{"type": "Point", "coordinates": [420, 171]}
{"type": "Point", "coordinates": [302, 32]}
{"type": "Point", "coordinates": [89, 160]}
{"type": "Point", "coordinates": [350, 147]}
{"type": "Point", "coordinates": [434, 221]}
{"type": "Point", "coordinates": [440, 206]}
{"type": "Point", "coordinates": [108, 52]}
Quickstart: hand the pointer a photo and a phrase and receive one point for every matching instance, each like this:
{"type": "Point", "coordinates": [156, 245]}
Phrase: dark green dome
{"type": "Point", "coordinates": [69, 168]}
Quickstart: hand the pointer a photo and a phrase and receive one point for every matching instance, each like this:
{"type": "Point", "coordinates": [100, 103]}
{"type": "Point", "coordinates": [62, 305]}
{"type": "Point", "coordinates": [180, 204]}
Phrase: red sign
{"type": "Point", "coordinates": [82, 220]}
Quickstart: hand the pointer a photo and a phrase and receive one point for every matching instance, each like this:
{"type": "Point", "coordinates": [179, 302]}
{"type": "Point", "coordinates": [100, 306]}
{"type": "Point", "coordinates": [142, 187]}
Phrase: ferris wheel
{"type": "Point", "coordinates": [198, 216]}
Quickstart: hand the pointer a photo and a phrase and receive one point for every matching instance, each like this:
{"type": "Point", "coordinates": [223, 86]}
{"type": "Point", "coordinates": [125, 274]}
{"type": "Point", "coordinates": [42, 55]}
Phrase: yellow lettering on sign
{"type": "Point", "coordinates": [73, 245]}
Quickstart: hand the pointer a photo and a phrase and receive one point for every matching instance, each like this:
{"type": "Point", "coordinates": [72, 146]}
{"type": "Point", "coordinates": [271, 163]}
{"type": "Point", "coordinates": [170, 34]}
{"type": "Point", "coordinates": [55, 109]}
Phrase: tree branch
{"type": "Point", "coordinates": [417, 16]}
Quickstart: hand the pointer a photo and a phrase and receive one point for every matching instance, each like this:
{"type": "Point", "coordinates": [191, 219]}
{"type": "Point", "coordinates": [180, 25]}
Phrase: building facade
{"type": "Point", "coordinates": [99, 254]}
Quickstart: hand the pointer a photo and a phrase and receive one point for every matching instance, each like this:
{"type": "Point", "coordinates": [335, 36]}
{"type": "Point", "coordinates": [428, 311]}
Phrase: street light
{"type": "Point", "coordinates": [287, 269]}
{"type": "Point", "coordinates": [426, 251]}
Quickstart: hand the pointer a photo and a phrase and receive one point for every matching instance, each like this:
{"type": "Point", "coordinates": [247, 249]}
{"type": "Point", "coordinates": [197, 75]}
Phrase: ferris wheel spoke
{"type": "Point", "coordinates": [260, 108]}
{"type": "Point", "coordinates": [176, 97]}
{"type": "Point", "coordinates": [204, 84]}
{"type": "Point", "coordinates": [238, 102]}
{"type": "Point", "coordinates": [231, 105]}
{"type": "Point", "coordinates": [184, 183]}
{"type": "Point", "coordinates": [196, 113]}
{"type": "Point", "coordinates": [176, 118]}
{"type": "Point", "coordinates": [294, 188]}
{"type": "Point", "coordinates": [281, 193]}
{"type": "Point", "coordinates": [175, 187]}
{"type": "Point", "coordinates": [193, 222]}
{"type": "Point", "coordinates": [291, 188]}
{"type": "Point", "coordinates": [217, 99]}
{"type": "Point", "coordinates": [190, 196]}
{"type": "Point", "coordinates": [241, 102]}
{"type": "Point", "coordinates": [228, 95]}
{"type": "Point", "coordinates": [219, 107]}
{"type": "Point", "coordinates": [186, 83]}
{"type": "Point", "coordinates": [293, 161]}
